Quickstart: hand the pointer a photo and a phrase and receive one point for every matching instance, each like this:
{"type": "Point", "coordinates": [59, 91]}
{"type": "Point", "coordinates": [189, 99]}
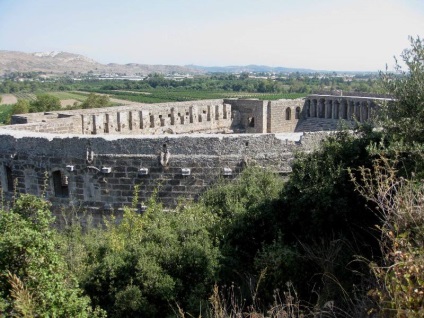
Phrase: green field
{"type": "Point", "coordinates": [175, 95]}
{"type": "Point", "coordinates": [69, 95]}
{"type": "Point", "coordinates": [27, 96]}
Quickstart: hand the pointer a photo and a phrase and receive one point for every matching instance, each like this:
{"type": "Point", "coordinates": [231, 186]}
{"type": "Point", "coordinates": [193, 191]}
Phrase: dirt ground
{"type": "Point", "coordinates": [8, 99]}
{"type": "Point", "coordinates": [68, 102]}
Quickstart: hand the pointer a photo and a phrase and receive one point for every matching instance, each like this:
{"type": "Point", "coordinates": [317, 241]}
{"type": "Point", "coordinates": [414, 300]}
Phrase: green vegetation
{"type": "Point", "coordinates": [95, 101]}
{"type": "Point", "coordinates": [25, 96]}
{"type": "Point", "coordinates": [21, 107]}
{"type": "Point", "coordinates": [5, 113]}
{"type": "Point", "coordinates": [178, 95]}
{"type": "Point", "coordinates": [69, 95]}
{"type": "Point", "coordinates": [44, 102]}
{"type": "Point", "coordinates": [34, 280]}
{"type": "Point", "coordinates": [157, 88]}
{"type": "Point", "coordinates": [343, 237]}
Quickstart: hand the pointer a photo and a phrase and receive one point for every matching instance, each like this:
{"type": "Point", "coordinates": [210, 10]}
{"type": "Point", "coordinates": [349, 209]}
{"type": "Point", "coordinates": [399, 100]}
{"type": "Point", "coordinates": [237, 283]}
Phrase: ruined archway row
{"type": "Point", "coordinates": [332, 107]}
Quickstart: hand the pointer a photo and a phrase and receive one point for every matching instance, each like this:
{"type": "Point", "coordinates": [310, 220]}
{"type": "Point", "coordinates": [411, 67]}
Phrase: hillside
{"type": "Point", "coordinates": [63, 62]}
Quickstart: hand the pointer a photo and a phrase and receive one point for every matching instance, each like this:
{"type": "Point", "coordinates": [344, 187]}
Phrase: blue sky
{"type": "Point", "coordinates": [361, 35]}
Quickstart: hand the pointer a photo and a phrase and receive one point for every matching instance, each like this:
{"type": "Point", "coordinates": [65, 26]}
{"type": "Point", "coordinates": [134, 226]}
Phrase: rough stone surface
{"type": "Point", "coordinates": [96, 159]}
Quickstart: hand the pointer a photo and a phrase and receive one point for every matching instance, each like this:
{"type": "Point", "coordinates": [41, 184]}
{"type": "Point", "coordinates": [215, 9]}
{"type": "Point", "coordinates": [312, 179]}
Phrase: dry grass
{"type": "Point", "coordinates": [8, 99]}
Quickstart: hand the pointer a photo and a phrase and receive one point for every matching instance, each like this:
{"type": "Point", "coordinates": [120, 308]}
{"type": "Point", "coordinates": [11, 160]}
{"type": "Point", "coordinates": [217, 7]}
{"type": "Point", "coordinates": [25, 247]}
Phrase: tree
{"type": "Point", "coordinates": [21, 107]}
{"type": "Point", "coordinates": [403, 119]}
{"type": "Point", "coordinates": [95, 101]}
{"type": "Point", "coordinates": [45, 102]}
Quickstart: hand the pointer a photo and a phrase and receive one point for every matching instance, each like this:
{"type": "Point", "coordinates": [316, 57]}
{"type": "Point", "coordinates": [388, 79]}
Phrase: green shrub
{"type": "Point", "coordinates": [34, 280]}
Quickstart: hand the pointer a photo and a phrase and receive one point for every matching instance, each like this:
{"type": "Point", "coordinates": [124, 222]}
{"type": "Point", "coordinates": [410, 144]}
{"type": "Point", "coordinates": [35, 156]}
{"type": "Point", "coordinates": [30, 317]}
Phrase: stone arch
{"type": "Point", "coordinates": [288, 113]}
{"type": "Point", "coordinates": [297, 113]}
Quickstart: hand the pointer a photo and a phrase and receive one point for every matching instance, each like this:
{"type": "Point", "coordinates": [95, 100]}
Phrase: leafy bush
{"type": "Point", "coordinates": [95, 101]}
{"type": "Point", "coordinates": [34, 280]}
{"type": "Point", "coordinates": [44, 103]}
{"type": "Point", "coordinates": [148, 263]}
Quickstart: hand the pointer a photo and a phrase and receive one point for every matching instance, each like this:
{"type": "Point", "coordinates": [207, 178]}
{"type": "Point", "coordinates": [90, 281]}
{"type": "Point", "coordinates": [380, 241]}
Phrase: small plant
{"type": "Point", "coordinates": [399, 290]}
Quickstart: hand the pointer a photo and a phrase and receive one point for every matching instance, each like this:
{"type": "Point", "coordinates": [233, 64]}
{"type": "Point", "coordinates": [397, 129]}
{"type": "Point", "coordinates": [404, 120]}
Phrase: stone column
{"type": "Point", "coordinates": [328, 107]}
{"type": "Point", "coordinates": [365, 114]}
{"type": "Point", "coordinates": [321, 108]}
{"type": "Point", "coordinates": [336, 109]}
{"type": "Point", "coordinates": [307, 108]}
{"type": "Point", "coordinates": [358, 111]}
{"type": "Point", "coordinates": [314, 108]}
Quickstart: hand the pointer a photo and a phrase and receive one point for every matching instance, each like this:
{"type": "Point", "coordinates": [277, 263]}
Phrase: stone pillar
{"type": "Point", "coordinates": [328, 109]}
{"type": "Point", "coordinates": [351, 110]}
{"type": "Point", "coordinates": [106, 124]}
{"type": "Point", "coordinates": [98, 127]}
{"type": "Point", "coordinates": [364, 111]}
{"type": "Point", "coordinates": [122, 121]}
{"type": "Point", "coordinates": [314, 108]}
{"type": "Point", "coordinates": [172, 116]}
{"type": "Point", "coordinates": [211, 114]}
{"type": "Point", "coordinates": [358, 111]}
{"type": "Point", "coordinates": [112, 122]}
{"type": "Point", "coordinates": [193, 115]}
{"type": "Point", "coordinates": [307, 112]}
{"type": "Point", "coordinates": [227, 111]}
{"type": "Point", "coordinates": [144, 119]}
{"type": "Point", "coordinates": [321, 108]}
{"type": "Point", "coordinates": [336, 109]}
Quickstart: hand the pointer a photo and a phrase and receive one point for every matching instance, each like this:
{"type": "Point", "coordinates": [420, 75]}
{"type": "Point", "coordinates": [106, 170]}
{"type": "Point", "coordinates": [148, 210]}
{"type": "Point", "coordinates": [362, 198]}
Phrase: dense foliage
{"type": "Point", "coordinates": [223, 83]}
{"type": "Point", "coordinates": [34, 280]}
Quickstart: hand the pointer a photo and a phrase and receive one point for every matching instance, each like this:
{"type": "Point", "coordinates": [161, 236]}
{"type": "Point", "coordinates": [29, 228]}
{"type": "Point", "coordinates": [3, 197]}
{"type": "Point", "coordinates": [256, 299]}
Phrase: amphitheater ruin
{"type": "Point", "coordinates": [95, 159]}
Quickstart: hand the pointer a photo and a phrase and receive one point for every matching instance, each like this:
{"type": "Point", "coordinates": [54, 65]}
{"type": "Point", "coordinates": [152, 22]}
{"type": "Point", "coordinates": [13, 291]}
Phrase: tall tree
{"type": "Point", "coordinates": [403, 119]}
{"type": "Point", "coordinates": [45, 102]}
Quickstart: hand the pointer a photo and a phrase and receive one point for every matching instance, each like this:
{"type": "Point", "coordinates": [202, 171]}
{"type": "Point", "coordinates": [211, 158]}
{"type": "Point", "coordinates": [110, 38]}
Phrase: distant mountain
{"type": "Point", "coordinates": [249, 68]}
{"type": "Point", "coordinates": [63, 62]}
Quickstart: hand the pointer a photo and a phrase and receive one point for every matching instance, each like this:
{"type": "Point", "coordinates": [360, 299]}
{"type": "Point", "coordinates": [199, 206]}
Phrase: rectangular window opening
{"type": "Point", "coordinates": [60, 184]}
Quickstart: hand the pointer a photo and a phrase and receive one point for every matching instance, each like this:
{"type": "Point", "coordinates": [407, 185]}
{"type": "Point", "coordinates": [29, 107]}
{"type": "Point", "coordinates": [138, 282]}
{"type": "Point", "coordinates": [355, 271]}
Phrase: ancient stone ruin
{"type": "Point", "coordinates": [95, 159]}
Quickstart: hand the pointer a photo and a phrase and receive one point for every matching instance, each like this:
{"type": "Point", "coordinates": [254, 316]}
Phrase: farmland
{"type": "Point", "coordinates": [178, 95]}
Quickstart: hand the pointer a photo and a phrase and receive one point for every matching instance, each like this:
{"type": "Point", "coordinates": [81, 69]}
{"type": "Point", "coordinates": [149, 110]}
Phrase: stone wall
{"type": "Point", "coordinates": [211, 116]}
{"type": "Point", "coordinates": [249, 115]}
{"type": "Point", "coordinates": [284, 115]}
{"type": "Point", "coordinates": [101, 173]}
{"type": "Point", "coordinates": [137, 119]}
{"type": "Point", "coordinates": [95, 159]}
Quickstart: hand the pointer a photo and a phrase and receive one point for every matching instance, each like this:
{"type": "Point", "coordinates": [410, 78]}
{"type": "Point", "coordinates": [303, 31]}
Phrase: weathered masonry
{"type": "Point", "coordinates": [339, 107]}
{"type": "Point", "coordinates": [101, 173]}
{"type": "Point", "coordinates": [96, 159]}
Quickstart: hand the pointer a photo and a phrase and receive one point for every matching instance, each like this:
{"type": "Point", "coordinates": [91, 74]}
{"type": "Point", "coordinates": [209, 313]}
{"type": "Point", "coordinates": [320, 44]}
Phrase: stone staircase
{"type": "Point", "coordinates": [322, 124]}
